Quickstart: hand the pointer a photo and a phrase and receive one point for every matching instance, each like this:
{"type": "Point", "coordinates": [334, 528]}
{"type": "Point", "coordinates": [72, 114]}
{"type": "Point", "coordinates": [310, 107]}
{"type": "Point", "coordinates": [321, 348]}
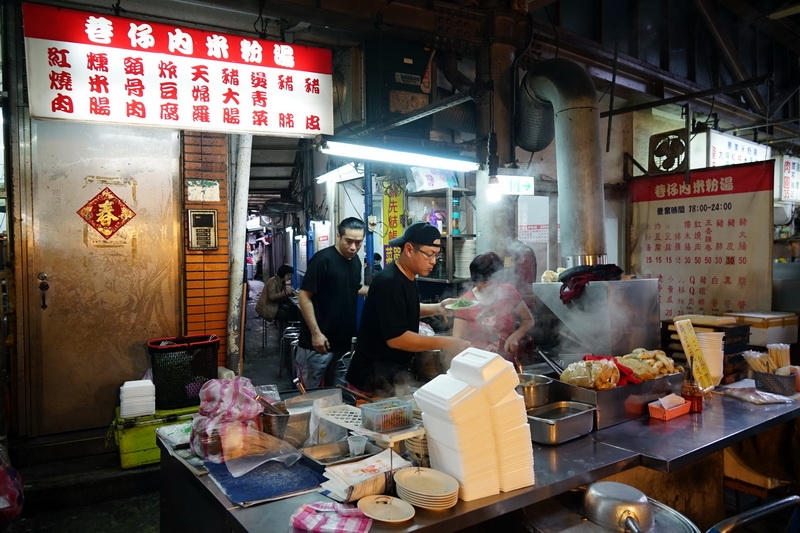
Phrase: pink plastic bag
{"type": "Point", "coordinates": [226, 405]}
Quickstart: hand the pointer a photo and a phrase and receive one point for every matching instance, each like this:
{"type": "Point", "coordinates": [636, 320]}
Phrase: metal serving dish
{"type": "Point", "coordinates": [335, 453]}
{"type": "Point", "coordinates": [619, 404]}
{"type": "Point", "coordinates": [559, 422]}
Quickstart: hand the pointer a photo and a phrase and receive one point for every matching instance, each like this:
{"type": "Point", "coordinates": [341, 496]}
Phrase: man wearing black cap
{"type": "Point", "coordinates": [388, 335]}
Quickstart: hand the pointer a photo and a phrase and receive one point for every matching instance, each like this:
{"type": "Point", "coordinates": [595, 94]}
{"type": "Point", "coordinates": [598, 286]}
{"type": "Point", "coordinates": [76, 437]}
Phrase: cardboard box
{"type": "Point", "coordinates": [136, 437]}
{"type": "Point", "coordinates": [768, 327]}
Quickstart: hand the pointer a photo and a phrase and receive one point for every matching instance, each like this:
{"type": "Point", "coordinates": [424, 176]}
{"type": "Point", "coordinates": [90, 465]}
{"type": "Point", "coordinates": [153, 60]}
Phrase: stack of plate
{"type": "Point", "coordinates": [463, 254]}
{"type": "Point", "coordinates": [426, 488]}
{"type": "Point", "coordinates": [137, 398]}
{"type": "Point", "coordinates": [713, 347]}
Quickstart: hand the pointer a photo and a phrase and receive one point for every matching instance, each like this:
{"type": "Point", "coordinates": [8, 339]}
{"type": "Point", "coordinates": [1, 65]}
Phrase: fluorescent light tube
{"type": "Point", "coordinates": [369, 153]}
{"type": "Point", "coordinates": [343, 173]}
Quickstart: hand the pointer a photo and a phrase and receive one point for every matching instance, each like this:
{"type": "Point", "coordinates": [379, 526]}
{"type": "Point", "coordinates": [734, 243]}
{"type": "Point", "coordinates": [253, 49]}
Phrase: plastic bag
{"type": "Point", "coordinates": [752, 395]}
{"type": "Point", "coordinates": [12, 496]}
{"type": "Point", "coordinates": [245, 448]}
{"type": "Point", "coordinates": [321, 431]}
{"type": "Point", "coordinates": [426, 330]}
{"type": "Point", "coordinates": [226, 406]}
{"type": "Point", "coordinates": [270, 392]}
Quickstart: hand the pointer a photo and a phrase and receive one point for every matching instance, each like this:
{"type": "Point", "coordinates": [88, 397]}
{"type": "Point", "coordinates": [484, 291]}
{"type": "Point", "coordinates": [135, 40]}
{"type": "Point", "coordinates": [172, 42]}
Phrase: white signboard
{"type": "Point", "coordinates": [518, 185]}
{"type": "Point", "coordinates": [726, 150]}
{"type": "Point", "coordinates": [789, 173]}
{"type": "Point", "coordinates": [102, 68]}
{"type": "Point", "coordinates": [708, 241]}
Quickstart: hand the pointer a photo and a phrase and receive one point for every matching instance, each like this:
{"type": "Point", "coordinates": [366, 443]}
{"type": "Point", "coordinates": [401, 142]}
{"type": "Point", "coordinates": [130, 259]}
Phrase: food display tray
{"type": "Point", "coordinates": [620, 404]}
{"type": "Point", "coordinates": [335, 453]}
{"type": "Point", "coordinates": [350, 417]}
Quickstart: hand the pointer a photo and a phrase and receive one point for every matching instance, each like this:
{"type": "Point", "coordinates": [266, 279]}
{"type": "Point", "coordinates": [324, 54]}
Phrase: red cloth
{"type": "Point", "coordinates": [330, 517]}
{"type": "Point", "coordinates": [573, 287]}
{"type": "Point", "coordinates": [626, 375]}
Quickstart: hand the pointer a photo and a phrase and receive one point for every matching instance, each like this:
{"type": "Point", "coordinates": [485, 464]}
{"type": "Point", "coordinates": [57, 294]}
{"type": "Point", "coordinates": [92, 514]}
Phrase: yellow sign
{"type": "Point", "coordinates": [394, 206]}
{"type": "Point", "coordinates": [692, 350]}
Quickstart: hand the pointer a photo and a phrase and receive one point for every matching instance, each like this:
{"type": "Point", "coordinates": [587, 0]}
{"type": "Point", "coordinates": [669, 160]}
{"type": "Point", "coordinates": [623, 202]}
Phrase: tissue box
{"type": "Point", "coordinates": [658, 411]}
{"type": "Point", "coordinates": [767, 327]}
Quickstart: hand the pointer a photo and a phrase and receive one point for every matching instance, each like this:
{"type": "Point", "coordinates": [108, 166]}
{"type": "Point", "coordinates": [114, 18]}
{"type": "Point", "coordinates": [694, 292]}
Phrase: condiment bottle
{"type": "Point", "coordinates": [692, 393]}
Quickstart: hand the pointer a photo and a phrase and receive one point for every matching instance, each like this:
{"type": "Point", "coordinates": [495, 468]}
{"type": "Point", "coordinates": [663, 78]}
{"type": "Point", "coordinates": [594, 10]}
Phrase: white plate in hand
{"type": "Point", "coordinates": [454, 307]}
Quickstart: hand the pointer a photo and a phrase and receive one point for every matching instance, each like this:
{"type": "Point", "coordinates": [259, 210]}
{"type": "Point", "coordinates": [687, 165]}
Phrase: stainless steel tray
{"type": "Point", "coordinates": [619, 404]}
{"type": "Point", "coordinates": [335, 453]}
{"type": "Point", "coordinates": [559, 422]}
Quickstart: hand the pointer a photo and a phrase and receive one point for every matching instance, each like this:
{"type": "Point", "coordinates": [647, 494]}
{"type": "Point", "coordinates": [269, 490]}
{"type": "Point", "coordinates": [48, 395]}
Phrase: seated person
{"type": "Point", "coordinates": [274, 302]}
{"type": "Point", "coordinates": [493, 325]}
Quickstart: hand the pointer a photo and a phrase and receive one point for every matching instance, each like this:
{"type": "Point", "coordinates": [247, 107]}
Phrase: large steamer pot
{"type": "Point", "coordinates": [427, 365]}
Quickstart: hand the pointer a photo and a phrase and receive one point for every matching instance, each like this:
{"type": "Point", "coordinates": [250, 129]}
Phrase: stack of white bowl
{"type": "Point", "coordinates": [457, 425]}
{"type": "Point", "coordinates": [463, 254]}
{"type": "Point", "coordinates": [477, 426]}
{"type": "Point", "coordinates": [497, 379]}
{"type": "Point", "coordinates": [713, 348]}
{"type": "Point", "coordinates": [137, 398]}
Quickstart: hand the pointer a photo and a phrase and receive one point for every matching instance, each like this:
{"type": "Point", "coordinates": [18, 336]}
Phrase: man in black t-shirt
{"type": "Point", "coordinates": [329, 301]}
{"type": "Point", "coordinates": [388, 335]}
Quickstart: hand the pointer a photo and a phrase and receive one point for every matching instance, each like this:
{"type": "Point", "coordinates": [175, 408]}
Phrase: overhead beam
{"type": "Point", "coordinates": [740, 86]}
{"type": "Point", "coordinates": [729, 54]}
{"type": "Point", "coordinates": [785, 12]}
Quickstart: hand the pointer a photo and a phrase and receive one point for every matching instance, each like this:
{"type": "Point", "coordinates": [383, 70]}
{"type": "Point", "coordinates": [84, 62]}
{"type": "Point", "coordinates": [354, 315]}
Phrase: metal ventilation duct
{"type": "Point", "coordinates": [567, 87]}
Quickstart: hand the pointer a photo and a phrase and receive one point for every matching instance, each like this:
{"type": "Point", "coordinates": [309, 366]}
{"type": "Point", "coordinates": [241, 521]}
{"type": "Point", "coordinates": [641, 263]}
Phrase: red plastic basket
{"type": "Point", "coordinates": [181, 365]}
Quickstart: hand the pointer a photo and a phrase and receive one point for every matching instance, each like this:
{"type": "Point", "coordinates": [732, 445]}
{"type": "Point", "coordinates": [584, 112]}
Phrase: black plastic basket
{"type": "Point", "coordinates": [774, 383]}
{"type": "Point", "coordinates": [181, 365]}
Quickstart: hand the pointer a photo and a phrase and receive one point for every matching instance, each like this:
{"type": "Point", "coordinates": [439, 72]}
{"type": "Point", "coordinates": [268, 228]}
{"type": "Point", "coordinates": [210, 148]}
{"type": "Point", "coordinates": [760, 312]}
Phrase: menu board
{"type": "Point", "coordinates": [103, 68]}
{"type": "Point", "coordinates": [708, 240]}
{"type": "Point", "coordinates": [789, 178]}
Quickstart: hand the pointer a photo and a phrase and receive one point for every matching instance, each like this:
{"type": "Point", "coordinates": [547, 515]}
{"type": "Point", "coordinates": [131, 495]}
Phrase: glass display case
{"type": "Point", "coordinates": [452, 210]}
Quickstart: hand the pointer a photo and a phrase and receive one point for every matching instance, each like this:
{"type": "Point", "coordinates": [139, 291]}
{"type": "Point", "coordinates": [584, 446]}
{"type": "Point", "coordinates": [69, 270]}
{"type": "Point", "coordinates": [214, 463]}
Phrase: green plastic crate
{"type": "Point", "coordinates": [136, 437]}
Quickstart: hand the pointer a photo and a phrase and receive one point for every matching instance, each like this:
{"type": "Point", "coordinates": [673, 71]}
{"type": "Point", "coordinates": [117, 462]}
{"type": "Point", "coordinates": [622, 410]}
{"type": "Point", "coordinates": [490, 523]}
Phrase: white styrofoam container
{"type": "Point", "coordinates": [768, 327]}
{"type": "Point", "coordinates": [487, 371]}
{"type": "Point", "coordinates": [449, 398]}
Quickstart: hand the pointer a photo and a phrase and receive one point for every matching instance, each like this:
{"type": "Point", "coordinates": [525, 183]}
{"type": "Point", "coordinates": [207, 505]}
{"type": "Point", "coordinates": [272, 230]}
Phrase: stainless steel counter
{"type": "Point", "coordinates": [667, 446]}
{"type": "Point", "coordinates": [188, 499]}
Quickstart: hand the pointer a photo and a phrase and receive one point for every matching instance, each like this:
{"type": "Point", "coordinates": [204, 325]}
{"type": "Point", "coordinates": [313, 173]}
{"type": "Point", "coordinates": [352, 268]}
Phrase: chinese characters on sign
{"type": "Point", "coordinates": [101, 68]}
{"type": "Point", "coordinates": [708, 242]}
{"type": "Point", "coordinates": [533, 232]}
{"type": "Point", "coordinates": [393, 208]}
{"type": "Point", "coordinates": [790, 178]}
{"type": "Point", "coordinates": [106, 213]}
{"type": "Point", "coordinates": [724, 150]}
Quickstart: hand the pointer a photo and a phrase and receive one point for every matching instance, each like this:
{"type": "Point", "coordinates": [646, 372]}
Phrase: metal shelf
{"type": "Point", "coordinates": [448, 238]}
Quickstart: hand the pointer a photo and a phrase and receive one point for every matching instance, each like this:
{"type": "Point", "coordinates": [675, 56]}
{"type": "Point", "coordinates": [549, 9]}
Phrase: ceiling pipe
{"type": "Point", "coordinates": [581, 203]}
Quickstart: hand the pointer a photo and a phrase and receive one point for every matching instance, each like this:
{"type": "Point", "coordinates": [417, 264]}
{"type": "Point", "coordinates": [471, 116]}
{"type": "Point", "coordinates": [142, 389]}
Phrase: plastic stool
{"type": "Point", "coordinates": [285, 356]}
{"type": "Point", "coordinates": [264, 324]}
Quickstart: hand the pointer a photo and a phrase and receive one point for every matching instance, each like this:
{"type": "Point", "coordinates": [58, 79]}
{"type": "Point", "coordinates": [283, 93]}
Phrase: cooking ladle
{"type": "Point", "coordinates": [618, 506]}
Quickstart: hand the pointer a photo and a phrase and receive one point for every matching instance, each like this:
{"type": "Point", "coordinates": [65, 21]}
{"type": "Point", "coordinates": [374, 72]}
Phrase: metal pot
{"type": "Point", "coordinates": [565, 513]}
{"type": "Point", "coordinates": [535, 389]}
{"type": "Point", "coordinates": [618, 507]}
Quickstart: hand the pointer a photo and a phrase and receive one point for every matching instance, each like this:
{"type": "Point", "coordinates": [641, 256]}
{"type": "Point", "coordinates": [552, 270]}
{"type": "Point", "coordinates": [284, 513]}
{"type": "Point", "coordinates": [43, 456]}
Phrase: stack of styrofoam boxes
{"type": "Point", "coordinates": [137, 398]}
{"type": "Point", "coordinates": [497, 379]}
{"type": "Point", "coordinates": [458, 429]}
{"type": "Point", "coordinates": [476, 425]}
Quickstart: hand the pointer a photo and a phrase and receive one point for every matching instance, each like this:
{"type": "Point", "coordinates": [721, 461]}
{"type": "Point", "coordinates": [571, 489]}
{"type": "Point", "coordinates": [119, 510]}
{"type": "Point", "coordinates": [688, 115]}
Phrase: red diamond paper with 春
{"type": "Point", "coordinates": [106, 213]}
